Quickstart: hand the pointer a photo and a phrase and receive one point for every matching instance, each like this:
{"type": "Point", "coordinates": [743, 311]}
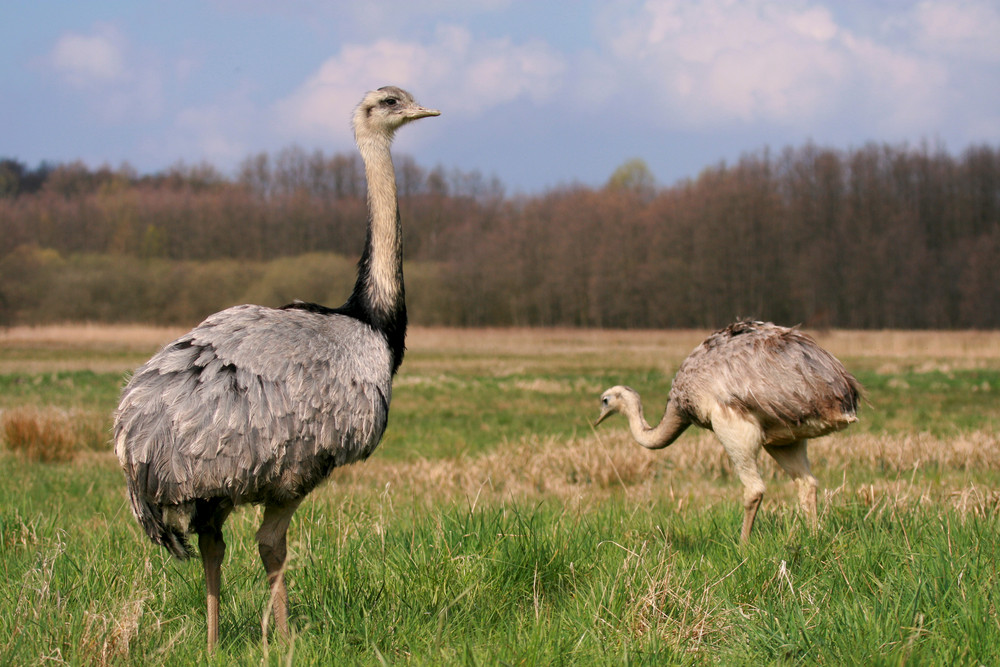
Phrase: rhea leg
{"type": "Point", "coordinates": [753, 494]}
{"type": "Point", "coordinates": [794, 460]}
{"type": "Point", "coordinates": [213, 550]}
{"type": "Point", "coordinates": [271, 543]}
{"type": "Point", "coordinates": [742, 439]}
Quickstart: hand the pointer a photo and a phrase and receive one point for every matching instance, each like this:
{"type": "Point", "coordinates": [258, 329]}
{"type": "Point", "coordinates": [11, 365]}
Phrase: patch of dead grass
{"type": "Point", "coordinates": [89, 335]}
{"type": "Point", "coordinates": [681, 612]}
{"type": "Point", "coordinates": [72, 347]}
{"type": "Point", "coordinates": [693, 471]}
{"type": "Point", "coordinates": [52, 435]}
{"type": "Point", "coordinates": [500, 348]}
{"type": "Point", "coordinates": [928, 350]}
{"type": "Point", "coordinates": [907, 452]}
{"type": "Point", "coordinates": [666, 343]}
{"type": "Point", "coordinates": [107, 638]}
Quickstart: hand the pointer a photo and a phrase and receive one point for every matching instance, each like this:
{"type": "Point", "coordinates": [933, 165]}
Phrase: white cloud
{"type": "Point", "coordinates": [88, 60]}
{"type": "Point", "coordinates": [896, 91]}
{"type": "Point", "coordinates": [107, 76]}
{"type": "Point", "coordinates": [796, 64]}
{"type": "Point", "coordinates": [325, 100]}
{"type": "Point", "coordinates": [454, 72]}
{"type": "Point", "coordinates": [721, 60]}
{"type": "Point", "coordinates": [815, 23]}
{"type": "Point", "coordinates": [738, 71]}
{"type": "Point", "coordinates": [970, 28]}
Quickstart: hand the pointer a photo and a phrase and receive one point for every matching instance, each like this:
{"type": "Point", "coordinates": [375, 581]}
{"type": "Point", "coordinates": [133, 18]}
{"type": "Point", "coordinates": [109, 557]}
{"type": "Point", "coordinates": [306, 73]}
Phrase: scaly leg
{"type": "Point", "coordinates": [271, 543]}
{"type": "Point", "coordinates": [794, 460]}
{"type": "Point", "coordinates": [213, 550]}
{"type": "Point", "coordinates": [751, 503]}
{"type": "Point", "coordinates": [741, 438]}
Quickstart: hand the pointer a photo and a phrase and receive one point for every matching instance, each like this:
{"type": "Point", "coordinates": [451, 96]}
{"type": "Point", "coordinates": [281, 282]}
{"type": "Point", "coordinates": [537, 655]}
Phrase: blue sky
{"type": "Point", "coordinates": [538, 94]}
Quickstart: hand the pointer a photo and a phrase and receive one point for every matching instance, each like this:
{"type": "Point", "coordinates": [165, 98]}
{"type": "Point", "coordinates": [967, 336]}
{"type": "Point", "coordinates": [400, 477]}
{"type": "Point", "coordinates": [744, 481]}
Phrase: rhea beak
{"type": "Point", "coordinates": [421, 112]}
{"type": "Point", "coordinates": [604, 414]}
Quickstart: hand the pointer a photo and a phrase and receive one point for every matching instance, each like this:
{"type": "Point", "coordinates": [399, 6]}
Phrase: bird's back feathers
{"type": "Point", "coordinates": [788, 383]}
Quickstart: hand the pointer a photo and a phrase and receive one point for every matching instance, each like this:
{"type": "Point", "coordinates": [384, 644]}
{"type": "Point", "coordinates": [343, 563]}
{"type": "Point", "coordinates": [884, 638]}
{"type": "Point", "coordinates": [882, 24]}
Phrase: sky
{"type": "Point", "coordinates": [536, 94]}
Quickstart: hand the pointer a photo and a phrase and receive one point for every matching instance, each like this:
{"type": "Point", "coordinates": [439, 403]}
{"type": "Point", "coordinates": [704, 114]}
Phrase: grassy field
{"type": "Point", "coordinates": [495, 526]}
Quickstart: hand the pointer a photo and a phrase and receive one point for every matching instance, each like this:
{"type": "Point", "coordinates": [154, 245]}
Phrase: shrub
{"type": "Point", "coordinates": [48, 435]}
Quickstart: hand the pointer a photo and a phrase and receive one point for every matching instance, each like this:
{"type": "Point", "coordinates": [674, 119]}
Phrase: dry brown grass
{"type": "Point", "coordinates": [73, 347]}
{"type": "Point", "coordinates": [107, 637]}
{"type": "Point", "coordinates": [695, 470]}
{"type": "Point", "coordinates": [974, 345]}
{"type": "Point", "coordinates": [504, 351]}
{"type": "Point", "coordinates": [682, 612]}
{"type": "Point", "coordinates": [898, 453]}
{"type": "Point", "coordinates": [649, 348]}
{"type": "Point", "coordinates": [99, 336]}
{"type": "Point", "coordinates": [52, 435]}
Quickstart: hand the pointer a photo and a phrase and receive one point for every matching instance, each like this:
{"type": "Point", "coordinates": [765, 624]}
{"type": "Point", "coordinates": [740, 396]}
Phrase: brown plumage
{"type": "Point", "coordinates": [754, 384]}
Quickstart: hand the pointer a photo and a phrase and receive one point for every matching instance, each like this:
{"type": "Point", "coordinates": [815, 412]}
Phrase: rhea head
{"type": "Point", "coordinates": [385, 110]}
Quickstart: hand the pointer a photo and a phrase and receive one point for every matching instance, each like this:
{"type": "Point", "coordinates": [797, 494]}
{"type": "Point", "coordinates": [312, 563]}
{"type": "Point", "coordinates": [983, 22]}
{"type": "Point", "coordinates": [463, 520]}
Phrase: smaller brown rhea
{"type": "Point", "coordinates": [754, 384]}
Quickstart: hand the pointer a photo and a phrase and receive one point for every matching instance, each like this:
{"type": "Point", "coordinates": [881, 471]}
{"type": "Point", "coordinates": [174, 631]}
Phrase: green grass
{"type": "Point", "coordinates": [488, 529]}
{"type": "Point", "coordinates": [446, 416]}
{"type": "Point", "coordinates": [939, 402]}
{"type": "Point", "coordinates": [453, 412]}
{"type": "Point", "coordinates": [373, 578]}
{"type": "Point", "coordinates": [69, 389]}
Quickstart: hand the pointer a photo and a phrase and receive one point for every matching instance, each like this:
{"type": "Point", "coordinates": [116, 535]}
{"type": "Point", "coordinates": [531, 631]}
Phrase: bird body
{"type": "Point", "coordinates": [247, 407]}
{"type": "Point", "coordinates": [754, 384]}
{"type": "Point", "coordinates": [259, 405]}
{"type": "Point", "coordinates": [777, 376]}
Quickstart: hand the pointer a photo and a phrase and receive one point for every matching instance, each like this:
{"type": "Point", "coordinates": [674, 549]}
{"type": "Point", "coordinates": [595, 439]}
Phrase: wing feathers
{"type": "Point", "coordinates": [779, 375]}
{"type": "Point", "coordinates": [254, 403]}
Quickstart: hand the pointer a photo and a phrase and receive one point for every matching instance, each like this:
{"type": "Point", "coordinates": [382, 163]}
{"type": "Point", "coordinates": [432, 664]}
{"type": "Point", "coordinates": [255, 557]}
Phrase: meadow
{"type": "Point", "coordinates": [495, 525]}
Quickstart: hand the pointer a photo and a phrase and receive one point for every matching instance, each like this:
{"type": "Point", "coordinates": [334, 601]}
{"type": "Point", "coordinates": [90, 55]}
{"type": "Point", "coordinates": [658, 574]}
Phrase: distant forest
{"type": "Point", "coordinates": [875, 237]}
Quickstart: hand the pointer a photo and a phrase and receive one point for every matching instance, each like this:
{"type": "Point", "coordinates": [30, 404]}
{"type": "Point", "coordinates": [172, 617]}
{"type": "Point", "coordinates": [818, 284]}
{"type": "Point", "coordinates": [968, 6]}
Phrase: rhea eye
{"type": "Point", "coordinates": [390, 102]}
{"type": "Point", "coordinates": [604, 400]}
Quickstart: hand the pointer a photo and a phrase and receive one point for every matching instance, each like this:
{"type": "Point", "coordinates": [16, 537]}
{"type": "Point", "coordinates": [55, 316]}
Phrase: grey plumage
{"type": "Point", "coordinates": [754, 384]}
{"type": "Point", "coordinates": [258, 405]}
{"type": "Point", "coordinates": [254, 405]}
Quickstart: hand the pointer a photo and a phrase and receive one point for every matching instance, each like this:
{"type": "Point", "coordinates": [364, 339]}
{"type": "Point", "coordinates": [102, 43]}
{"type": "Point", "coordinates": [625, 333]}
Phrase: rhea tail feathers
{"type": "Point", "coordinates": [150, 517]}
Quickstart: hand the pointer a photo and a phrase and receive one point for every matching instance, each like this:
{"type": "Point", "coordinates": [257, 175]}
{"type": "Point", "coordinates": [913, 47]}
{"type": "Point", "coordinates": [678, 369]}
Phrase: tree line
{"type": "Point", "coordinates": [875, 237]}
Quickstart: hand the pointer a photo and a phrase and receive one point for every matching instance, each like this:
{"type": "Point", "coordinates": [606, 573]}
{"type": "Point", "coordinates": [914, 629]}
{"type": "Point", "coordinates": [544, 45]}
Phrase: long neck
{"type": "Point", "coordinates": [661, 435]}
{"type": "Point", "coordinates": [379, 294]}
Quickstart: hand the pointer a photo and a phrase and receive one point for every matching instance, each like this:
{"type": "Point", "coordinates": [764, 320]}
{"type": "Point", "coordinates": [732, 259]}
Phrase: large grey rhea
{"type": "Point", "coordinates": [754, 384]}
{"type": "Point", "coordinates": [258, 405]}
